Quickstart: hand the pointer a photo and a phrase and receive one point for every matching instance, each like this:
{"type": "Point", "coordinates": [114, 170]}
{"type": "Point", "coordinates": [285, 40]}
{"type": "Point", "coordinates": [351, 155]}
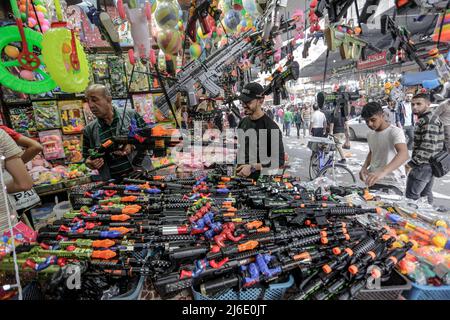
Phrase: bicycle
{"type": "Point", "coordinates": [322, 162]}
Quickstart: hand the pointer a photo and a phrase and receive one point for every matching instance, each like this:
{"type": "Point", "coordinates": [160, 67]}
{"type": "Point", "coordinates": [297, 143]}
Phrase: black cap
{"type": "Point", "coordinates": [251, 91]}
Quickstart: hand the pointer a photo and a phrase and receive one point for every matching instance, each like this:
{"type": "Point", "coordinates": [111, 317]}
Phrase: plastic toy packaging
{"type": "Point", "coordinates": [72, 148]}
{"type": "Point", "coordinates": [22, 120]}
{"type": "Point", "coordinates": [52, 143]}
{"type": "Point", "coordinates": [72, 116]}
{"type": "Point", "coordinates": [46, 115]}
{"type": "Point", "coordinates": [118, 77]}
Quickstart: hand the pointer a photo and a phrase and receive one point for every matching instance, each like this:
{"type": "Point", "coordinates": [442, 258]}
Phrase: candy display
{"type": "Point", "coordinates": [46, 115]}
{"type": "Point", "coordinates": [72, 116]}
{"type": "Point", "coordinates": [53, 145]}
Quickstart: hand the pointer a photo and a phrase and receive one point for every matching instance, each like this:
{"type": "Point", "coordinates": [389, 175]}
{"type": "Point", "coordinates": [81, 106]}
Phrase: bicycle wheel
{"type": "Point", "coordinates": [314, 165]}
{"type": "Point", "coordinates": [338, 173]}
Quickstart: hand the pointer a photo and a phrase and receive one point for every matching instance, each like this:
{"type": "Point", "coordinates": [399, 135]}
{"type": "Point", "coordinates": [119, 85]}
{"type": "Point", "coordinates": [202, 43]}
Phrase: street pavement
{"type": "Point", "coordinates": [299, 156]}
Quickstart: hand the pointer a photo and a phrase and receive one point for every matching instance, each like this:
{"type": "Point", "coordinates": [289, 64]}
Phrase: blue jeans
{"type": "Point", "coordinates": [420, 183]}
{"type": "Point", "coordinates": [287, 127]}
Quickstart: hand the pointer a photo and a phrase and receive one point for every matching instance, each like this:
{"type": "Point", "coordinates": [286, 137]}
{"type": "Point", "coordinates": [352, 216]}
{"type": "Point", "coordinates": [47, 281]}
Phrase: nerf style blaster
{"type": "Point", "coordinates": [279, 79]}
{"type": "Point", "coordinates": [200, 9]}
{"type": "Point", "coordinates": [400, 40]}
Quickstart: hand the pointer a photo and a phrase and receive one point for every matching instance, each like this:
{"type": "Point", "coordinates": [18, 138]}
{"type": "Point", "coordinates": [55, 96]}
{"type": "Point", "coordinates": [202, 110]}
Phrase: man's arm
{"type": "Point", "coordinates": [400, 158]}
{"type": "Point", "coordinates": [32, 148]}
{"type": "Point", "coordinates": [21, 179]}
{"type": "Point", "coordinates": [364, 172]}
{"type": "Point", "coordinates": [90, 163]}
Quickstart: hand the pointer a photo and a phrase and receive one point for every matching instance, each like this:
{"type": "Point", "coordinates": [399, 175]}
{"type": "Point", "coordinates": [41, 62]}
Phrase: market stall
{"type": "Point", "coordinates": [141, 191]}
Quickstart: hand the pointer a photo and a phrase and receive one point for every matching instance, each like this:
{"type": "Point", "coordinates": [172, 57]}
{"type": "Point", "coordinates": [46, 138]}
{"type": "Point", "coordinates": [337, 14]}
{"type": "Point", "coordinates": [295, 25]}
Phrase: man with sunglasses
{"type": "Point", "coordinates": [260, 139]}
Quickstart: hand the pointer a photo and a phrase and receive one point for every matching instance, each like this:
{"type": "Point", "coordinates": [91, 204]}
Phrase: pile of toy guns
{"type": "Point", "coordinates": [211, 233]}
{"type": "Point", "coordinates": [428, 263]}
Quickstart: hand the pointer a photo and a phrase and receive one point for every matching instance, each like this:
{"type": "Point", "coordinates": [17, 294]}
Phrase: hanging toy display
{"type": "Point", "coordinates": [24, 73]}
{"type": "Point", "coordinates": [34, 14]}
{"type": "Point", "coordinates": [313, 18]}
{"type": "Point", "coordinates": [166, 14]}
{"type": "Point", "coordinates": [232, 19]}
{"type": "Point", "coordinates": [169, 40]}
{"type": "Point", "coordinates": [140, 21]}
{"type": "Point", "coordinates": [64, 56]}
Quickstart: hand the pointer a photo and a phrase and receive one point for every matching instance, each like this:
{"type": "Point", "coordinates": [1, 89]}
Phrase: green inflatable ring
{"type": "Point", "coordinates": [58, 63]}
{"type": "Point", "coordinates": [8, 35]}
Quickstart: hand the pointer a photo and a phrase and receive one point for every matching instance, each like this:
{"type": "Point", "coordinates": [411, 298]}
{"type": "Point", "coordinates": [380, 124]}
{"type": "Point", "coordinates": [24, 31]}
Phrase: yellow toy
{"type": "Point", "coordinates": [64, 56]}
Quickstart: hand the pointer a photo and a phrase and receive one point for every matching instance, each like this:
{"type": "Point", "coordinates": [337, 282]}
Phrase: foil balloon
{"type": "Point", "coordinates": [166, 14]}
{"type": "Point", "coordinates": [232, 19]}
{"type": "Point", "coordinates": [169, 41]}
{"type": "Point", "coordinates": [195, 50]}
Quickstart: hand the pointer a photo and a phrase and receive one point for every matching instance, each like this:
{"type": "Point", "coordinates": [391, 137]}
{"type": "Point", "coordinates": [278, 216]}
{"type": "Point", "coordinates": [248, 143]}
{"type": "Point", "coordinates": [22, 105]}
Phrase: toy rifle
{"type": "Point", "coordinates": [320, 215]}
{"type": "Point", "coordinates": [279, 79]}
{"type": "Point", "coordinates": [401, 40]}
{"type": "Point", "coordinates": [199, 11]}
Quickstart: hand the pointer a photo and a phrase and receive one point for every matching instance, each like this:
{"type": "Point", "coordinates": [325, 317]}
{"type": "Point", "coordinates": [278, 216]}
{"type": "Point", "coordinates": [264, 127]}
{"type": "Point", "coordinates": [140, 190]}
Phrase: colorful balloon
{"type": "Point", "coordinates": [232, 19]}
{"type": "Point", "coordinates": [195, 50]}
{"type": "Point", "coordinates": [166, 14]}
{"type": "Point", "coordinates": [12, 52]}
{"type": "Point", "coordinates": [27, 75]}
{"type": "Point", "coordinates": [169, 41]}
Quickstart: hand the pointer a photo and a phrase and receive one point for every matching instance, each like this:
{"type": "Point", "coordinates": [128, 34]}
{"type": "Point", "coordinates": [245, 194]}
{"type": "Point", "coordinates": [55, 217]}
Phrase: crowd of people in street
{"type": "Point", "coordinates": [404, 135]}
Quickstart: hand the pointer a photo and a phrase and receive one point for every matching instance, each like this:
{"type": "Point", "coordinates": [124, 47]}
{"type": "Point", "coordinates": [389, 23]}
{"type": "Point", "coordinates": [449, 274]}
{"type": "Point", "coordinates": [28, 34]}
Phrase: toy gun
{"type": "Point", "coordinates": [74, 253]}
{"type": "Point", "coordinates": [336, 9]}
{"type": "Point", "coordinates": [207, 73]}
{"type": "Point", "coordinates": [320, 215]}
{"type": "Point", "coordinates": [279, 79]}
{"type": "Point", "coordinates": [199, 11]}
{"type": "Point", "coordinates": [401, 40]}
{"type": "Point", "coordinates": [272, 20]}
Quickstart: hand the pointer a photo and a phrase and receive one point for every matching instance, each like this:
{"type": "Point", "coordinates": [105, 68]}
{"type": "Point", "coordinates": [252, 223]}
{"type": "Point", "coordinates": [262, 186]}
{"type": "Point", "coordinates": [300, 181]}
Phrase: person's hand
{"type": "Point", "coordinates": [126, 150]}
{"type": "Point", "coordinates": [363, 173]}
{"type": "Point", "coordinates": [95, 164]}
{"type": "Point", "coordinates": [373, 177]}
{"type": "Point", "coordinates": [244, 170]}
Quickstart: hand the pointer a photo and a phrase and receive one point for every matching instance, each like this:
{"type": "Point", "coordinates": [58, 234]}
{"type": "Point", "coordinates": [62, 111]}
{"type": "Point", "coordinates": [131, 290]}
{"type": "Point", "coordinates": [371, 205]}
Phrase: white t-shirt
{"type": "Point", "coordinates": [408, 114]}
{"type": "Point", "coordinates": [317, 119]}
{"type": "Point", "coordinates": [382, 144]}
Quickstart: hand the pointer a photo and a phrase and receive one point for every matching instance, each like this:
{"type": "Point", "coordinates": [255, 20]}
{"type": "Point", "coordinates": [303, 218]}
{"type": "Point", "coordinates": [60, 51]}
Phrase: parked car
{"type": "Point", "coordinates": [358, 128]}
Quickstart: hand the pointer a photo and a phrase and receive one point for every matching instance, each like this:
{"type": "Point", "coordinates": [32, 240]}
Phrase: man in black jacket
{"type": "Point", "coordinates": [260, 138]}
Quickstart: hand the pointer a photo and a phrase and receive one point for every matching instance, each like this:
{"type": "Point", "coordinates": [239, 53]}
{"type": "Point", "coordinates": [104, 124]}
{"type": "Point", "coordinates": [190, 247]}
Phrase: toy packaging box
{"type": "Point", "coordinates": [73, 148]}
{"type": "Point", "coordinates": [53, 145]}
{"type": "Point", "coordinates": [72, 116]}
{"type": "Point", "coordinates": [22, 120]}
{"type": "Point", "coordinates": [46, 115]}
{"type": "Point", "coordinates": [143, 104]}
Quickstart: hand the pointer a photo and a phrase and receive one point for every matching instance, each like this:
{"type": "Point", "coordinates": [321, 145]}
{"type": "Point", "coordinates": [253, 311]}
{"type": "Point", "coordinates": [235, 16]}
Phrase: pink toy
{"type": "Point", "coordinates": [139, 19]}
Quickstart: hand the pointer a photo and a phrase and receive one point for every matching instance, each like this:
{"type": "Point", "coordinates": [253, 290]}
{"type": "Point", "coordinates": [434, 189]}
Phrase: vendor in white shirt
{"type": "Point", "coordinates": [387, 151]}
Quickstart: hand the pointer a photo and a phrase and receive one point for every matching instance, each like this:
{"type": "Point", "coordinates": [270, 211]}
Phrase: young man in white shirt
{"type": "Point", "coordinates": [387, 151]}
{"type": "Point", "coordinates": [318, 124]}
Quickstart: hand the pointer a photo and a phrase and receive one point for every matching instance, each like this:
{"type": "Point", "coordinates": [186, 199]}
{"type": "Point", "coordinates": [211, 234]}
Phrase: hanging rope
{"type": "Point", "coordinates": [325, 71]}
